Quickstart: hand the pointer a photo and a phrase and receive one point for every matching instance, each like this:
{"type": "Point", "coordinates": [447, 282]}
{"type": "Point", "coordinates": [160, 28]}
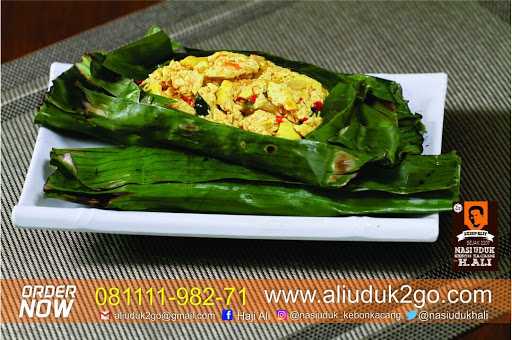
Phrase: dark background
{"type": "Point", "coordinates": [30, 25]}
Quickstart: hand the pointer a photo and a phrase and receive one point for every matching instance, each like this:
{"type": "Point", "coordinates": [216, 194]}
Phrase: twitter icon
{"type": "Point", "coordinates": [411, 314]}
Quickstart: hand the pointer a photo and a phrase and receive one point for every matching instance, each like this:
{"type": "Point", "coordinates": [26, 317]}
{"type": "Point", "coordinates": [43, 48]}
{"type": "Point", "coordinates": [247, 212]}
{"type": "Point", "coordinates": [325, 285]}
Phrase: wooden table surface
{"type": "Point", "coordinates": [30, 25]}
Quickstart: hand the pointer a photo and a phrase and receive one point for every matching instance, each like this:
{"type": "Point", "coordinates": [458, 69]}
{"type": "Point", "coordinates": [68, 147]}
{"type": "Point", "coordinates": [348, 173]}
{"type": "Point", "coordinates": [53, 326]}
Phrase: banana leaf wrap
{"type": "Point", "coordinates": [148, 179]}
{"type": "Point", "coordinates": [365, 157]}
{"type": "Point", "coordinates": [101, 100]}
{"type": "Point", "coordinates": [112, 167]}
{"type": "Point", "coordinates": [342, 110]}
{"type": "Point", "coordinates": [122, 121]}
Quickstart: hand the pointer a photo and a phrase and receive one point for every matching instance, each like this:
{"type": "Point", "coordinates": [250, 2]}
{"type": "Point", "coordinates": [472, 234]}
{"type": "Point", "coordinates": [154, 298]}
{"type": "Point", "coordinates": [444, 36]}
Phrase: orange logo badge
{"type": "Point", "coordinates": [475, 226]}
{"type": "Point", "coordinates": [476, 214]}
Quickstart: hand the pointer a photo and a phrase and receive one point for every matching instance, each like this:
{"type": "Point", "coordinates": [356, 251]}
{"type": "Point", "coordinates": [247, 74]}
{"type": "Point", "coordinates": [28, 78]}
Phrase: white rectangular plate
{"type": "Point", "coordinates": [426, 93]}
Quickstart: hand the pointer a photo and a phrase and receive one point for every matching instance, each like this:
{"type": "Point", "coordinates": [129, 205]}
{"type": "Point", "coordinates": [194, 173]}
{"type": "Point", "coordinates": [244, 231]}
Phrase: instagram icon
{"type": "Point", "coordinates": [282, 314]}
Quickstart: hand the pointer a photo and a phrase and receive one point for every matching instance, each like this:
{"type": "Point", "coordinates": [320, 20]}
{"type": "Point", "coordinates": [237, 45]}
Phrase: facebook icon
{"type": "Point", "coordinates": [227, 314]}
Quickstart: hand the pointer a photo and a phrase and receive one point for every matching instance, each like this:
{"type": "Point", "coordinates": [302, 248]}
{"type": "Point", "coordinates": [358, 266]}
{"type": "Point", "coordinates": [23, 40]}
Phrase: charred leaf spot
{"type": "Point", "coordinates": [270, 148]}
{"type": "Point", "coordinates": [390, 106]}
{"type": "Point", "coordinates": [342, 163]}
{"type": "Point", "coordinates": [94, 202]}
{"type": "Point", "coordinates": [100, 201]}
{"type": "Point", "coordinates": [334, 178]}
{"type": "Point", "coordinates": [189, 127]}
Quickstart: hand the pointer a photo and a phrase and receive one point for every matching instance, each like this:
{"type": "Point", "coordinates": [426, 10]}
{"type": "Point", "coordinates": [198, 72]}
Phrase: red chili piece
{"type": "Point", "coordinates": [279, 119]}
{"type": "Point", "coordinates": [188, 100]}
{"type": "Point", "coordinates": [317, 106]}
{"type": "Point", "coordinates": [252, 98]}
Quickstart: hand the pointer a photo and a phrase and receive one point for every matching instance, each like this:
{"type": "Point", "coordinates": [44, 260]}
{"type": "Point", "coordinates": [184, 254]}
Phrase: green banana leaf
{"type": "Point", "coordinates": [415, 174]}
{"type": "Point", "coordinates": [339, 106]}
{"type": "Point", "coordinates": [368, 146]}
{"type": "Point", "coordinates": [111, 167]}
{"type": "Point", "coordinates": [139, 58]}
{"type": "Point", "coordinates": [121, 87]}
{"type": "Point", "coordinates": [371, 131]}
{"type": "Point", "coordinates": [243, 198]}
{"type": "Point", "coordinates": [124, 87]}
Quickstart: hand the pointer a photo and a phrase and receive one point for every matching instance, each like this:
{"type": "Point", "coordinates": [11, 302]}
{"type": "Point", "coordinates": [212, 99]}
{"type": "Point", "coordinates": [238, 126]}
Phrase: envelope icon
{"type": "Point", "coordinates": [104, 315]}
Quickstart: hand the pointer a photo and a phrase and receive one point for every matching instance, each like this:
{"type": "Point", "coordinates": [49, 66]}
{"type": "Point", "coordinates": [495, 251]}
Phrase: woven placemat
{"type": "Point", "coordinates": [468, 40]}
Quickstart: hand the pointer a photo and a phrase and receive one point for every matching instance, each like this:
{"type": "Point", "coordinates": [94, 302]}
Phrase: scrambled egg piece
{"type": "Point", "coordinates": [248, 92]}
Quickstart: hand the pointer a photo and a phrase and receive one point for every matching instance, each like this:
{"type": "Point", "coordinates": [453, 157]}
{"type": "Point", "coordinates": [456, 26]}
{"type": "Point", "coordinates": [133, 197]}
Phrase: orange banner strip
{"type": "Point", "coordinates": [269, 301]}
